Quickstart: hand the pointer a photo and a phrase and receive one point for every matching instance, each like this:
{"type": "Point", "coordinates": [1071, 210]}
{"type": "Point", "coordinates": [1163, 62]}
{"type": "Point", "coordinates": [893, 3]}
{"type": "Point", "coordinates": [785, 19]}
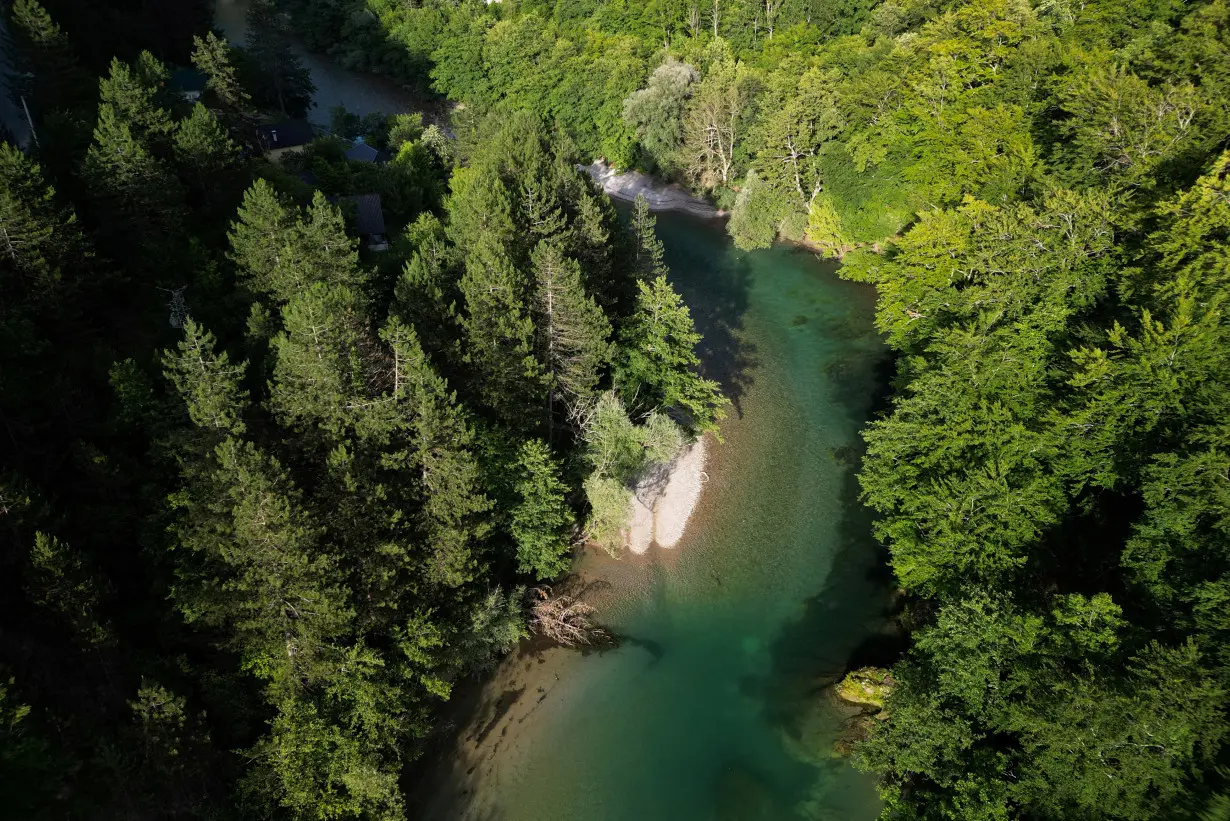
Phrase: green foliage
{"type": "Point", "coordinates": [658, 362]}
{"type": "Point", "coordinates": [213, 57]}
{"type": "Point", "coordinates": [135, 94]}
{"type": "Point", "coordinates": [53, 77]}
{"type": "Point", "coordinates": [541, 521]}
{"type": "Point", "coordinates": [758, 213]}
{"type": "Point", "coordinates": [314, 521]}
{"type": "Point", "coordinates": [130, 183]}
{"type": "Point", "coordinates": [1035, 398]}
{"type": "Point", "coordinates": [656, 112]}
{"type": "Point", "coordinates": [203, 146]}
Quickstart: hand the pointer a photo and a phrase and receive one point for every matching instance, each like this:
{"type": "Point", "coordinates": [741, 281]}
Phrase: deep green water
{"type": "Point", "coordinates": [733, 633]}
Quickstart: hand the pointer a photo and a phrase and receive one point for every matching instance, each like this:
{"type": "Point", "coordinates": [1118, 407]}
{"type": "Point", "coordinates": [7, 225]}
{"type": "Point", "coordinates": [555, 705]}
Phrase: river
{"type": "Point", "coordinates": [359, 92]}
{"type": "Point", "coordinates": [713, 707]}
{"type": "Point", "coordinates": [12, 117]}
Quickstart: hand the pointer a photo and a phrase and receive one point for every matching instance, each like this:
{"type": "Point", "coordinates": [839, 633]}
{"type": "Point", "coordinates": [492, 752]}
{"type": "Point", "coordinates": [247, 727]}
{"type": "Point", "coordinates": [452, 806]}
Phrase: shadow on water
{"type": "Point", "coordinates": [715, 284]}
{"type": "Point", "coordinates": [814, 650]}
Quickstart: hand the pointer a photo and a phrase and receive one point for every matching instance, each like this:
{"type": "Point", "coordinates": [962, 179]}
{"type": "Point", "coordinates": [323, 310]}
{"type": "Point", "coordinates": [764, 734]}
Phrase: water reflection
{"type": "Point", "coordinates": [360, 93]}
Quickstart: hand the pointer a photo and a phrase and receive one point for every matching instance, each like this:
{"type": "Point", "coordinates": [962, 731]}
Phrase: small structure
{"type": "Point", "coordinates": [188, 83]}
{"type": "Point", "coordinates": [362, 152]}
{"type": "Point", "coordinates": [369, 221]}
{"type": "Point", "coordinates": [279, 139]}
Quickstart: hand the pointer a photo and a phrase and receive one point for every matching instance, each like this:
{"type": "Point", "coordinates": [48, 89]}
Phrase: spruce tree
{"type": "Point", "coordinates": [572, 330]}
{"type": "Point", "coordinates": [258, 238]}
{"type": "Point", "coordinates": [136, 189]}
{"type": "Point", "coordinates": [648, 255]}
{"type": "Point", "coordinates": [658, 362]}
{"type": "Point", "coordinates": [541, 520]}
{"type": "Point", "coordinates": [251, 566]}
{"type": "Point", "coordinates": [212, 56]}
{"type": "Point", "coordinates": [441, 452]}
{"type": "Point", "coordinates": [203, 147]}
{"type": "Point", "coordinates": [135, 94]}
{"type": "Point", "coordinates": [40, 241]}
{"type": "Point", "coordinates": [499, 337]}
{"type": "Point", "coordinates": [321, 374]}
{"type": "Point", "coordinates": [43, 63]}
{"type": "Point", "coordinates": [209, 385]}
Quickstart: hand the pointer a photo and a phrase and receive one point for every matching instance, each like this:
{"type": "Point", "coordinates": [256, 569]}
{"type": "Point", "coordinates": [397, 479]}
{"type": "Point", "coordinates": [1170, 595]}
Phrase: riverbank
{"type": "Point", "coordinates": [628, 185]}
{"type": "Point", "coordinates": [707, 708]}
{"type": "Point", "coordinates": [663, 501]}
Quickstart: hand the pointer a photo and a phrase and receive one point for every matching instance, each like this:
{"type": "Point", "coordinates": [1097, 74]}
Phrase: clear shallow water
{"type": "Point", "coordinates": [732, 635]}
{"type": "Point", "coordinates": [712, 709]}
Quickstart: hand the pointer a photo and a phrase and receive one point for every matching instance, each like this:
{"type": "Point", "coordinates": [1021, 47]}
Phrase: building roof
{"type": "Point", "coordinates": [286, 134]}
{"type": "Point", "coordinates": [187, 79]}
{"type": "Point", "coordinates": [369, 215]}
{"type": "Point", "coordinates": [362, 152]}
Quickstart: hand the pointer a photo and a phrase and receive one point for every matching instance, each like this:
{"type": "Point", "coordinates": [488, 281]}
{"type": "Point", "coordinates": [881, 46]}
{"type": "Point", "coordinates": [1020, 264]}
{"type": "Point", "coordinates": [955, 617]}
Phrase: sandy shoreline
{"type": "Point", "coordinates": [665, 498]}
{"type": "Point", "coordinates": [626, 185]}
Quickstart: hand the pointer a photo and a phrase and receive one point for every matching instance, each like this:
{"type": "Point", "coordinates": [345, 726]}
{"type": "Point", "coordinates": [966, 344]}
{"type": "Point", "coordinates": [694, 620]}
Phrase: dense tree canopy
{"type": "Point", "coordinates": [249, 551]}
{"type": "Point", "coordinates": [268, 494]}
{"type": "Point", "coordinates": [1037, 193]}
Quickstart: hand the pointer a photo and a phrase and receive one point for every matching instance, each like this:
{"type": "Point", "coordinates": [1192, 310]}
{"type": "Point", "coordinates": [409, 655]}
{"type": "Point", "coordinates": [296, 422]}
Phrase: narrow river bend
{"type": "Point", "coordinates": [713, 707]}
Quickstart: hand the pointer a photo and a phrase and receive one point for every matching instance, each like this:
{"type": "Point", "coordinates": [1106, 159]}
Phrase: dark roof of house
{"type": "Point", "coordinates": [286, 134]}
{"type": "Point", "coordinates": [369, 216]}
{"type": "Point", "coordinates": [362, 152]}
{"type": "Point", "coordinates": [188, 79]}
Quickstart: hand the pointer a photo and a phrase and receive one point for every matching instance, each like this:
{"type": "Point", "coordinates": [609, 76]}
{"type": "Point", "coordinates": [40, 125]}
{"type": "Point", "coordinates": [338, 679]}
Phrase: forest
{"type": "Point", "coordinates": [269, 495]}
{"type": "Point", "coordinates": [249, 552]}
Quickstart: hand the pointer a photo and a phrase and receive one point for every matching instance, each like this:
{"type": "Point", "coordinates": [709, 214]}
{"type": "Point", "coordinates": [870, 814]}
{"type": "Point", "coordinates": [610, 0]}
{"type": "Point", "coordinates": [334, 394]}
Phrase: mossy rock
{"type": "Point", "coordinates": [866, 687]}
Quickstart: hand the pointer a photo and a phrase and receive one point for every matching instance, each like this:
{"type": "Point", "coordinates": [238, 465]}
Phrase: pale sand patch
{"type": "Point", "coordinates": [626, 185]}
{"type": "Point", "coordinates": [664, 499]}
{"type": "Point", "coordinates": [675, 505]}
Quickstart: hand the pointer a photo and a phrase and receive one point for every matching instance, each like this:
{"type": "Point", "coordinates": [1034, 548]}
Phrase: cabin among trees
{"type": "Point", "coordinates": [285, 137]}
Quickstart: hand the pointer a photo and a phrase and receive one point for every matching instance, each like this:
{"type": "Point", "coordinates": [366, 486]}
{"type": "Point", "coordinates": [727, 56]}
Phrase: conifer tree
{"type": "Point", "coordinates": [203, 146]}
{"type": "Point", "coordinates": [43, 64]}
{"type": "Point", "coordinates": [648, 255]}
{"type": "Point", "coordinates": [40, 240]}
{"type": "Point", "coordinates": [59, 581]}
{"type": "Point", "coordinates": [210, 386]}
{"type": "Point", "coordinates": [135, 94]}
{"type": "Point", "coordinates": [658, 362]}
{"type": "Point", "coordinates": [541, 520]}
{"type": "Point", "coordinates": [139, 192]}
{"type": "Point", "coordinates": [425, 294]}
{"type": "Point", "coordinates": [320, 377]}
{"type": "Point", "coordinates": [572, 330]}
{"type": "Point", "coordinates": [441, 443]}
{"type": "Point", "coordinates": [280, 251]}
{"type": "Point", "coordinates": [499, 336]}
{"type": "Point", "coordinates": [253, 568]}
{"type": "Point", "coordinates": [258, 238]}
{"type": "Point", "coordinates": [212, 56]}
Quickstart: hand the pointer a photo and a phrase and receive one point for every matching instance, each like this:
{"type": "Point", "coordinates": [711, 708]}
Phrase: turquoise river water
{"type": "Point", "coordinates": [713, 708]}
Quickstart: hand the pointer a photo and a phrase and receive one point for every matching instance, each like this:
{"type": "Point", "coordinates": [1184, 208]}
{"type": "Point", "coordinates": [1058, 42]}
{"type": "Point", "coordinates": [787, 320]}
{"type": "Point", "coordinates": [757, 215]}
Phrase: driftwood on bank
{"type": "Point", "coordinates": [563, 619]}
